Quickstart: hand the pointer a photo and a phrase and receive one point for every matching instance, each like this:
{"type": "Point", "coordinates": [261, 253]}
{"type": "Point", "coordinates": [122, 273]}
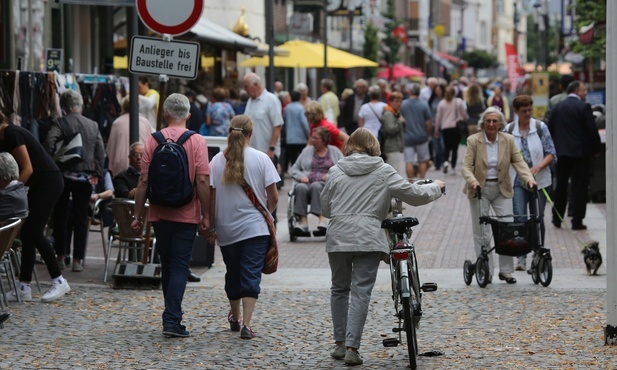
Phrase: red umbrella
{"type": "Point", "coordinates": [399, 71]}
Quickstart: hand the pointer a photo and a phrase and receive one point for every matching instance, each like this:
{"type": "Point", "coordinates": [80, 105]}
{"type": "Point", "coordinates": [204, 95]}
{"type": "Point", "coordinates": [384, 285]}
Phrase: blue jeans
{"type": "Point", "coordinates": [522, 199]}
{"type": "Point", "coordinates": [244, 261]}
{"type": "Point", "coordinates": [174, 242]}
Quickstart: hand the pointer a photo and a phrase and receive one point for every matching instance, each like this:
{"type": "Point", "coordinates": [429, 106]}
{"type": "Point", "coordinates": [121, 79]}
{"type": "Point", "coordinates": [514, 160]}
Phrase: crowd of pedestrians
{"type": "Point", "coordinates": [346, 154]}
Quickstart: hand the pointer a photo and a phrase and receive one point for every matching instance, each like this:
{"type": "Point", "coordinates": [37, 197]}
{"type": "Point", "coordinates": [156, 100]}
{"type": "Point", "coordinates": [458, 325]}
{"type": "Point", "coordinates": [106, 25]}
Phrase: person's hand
{"type": "Point", "coordinates": [475, 185]}
{"type": "Point", "coordinates": [137, 226]}
{"type": "Point", "coordinates": [270, 153]}
{"type": "Point", "coordinates": [442, 185]}
{"type": "Point", "coordinates": [531, 184]}
{"type": "Point", "coordinates": [436, 135]}
{"type": "Point", "coordinates": [304, 179]}
{"type": "Point", "coordinates": [94, 197]}
{"type": "Point", "coordinates": [534, 170]}
{"type": "Point", "coordinates": [132, 194]}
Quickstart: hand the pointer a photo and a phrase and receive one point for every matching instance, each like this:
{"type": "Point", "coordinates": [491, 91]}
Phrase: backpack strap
{"type": "Point", "coordinates": [510, 128]}
{"type": "Point", "coordinates": [158, 136]}
{"type": "Point", "coordinates": [184, 137]}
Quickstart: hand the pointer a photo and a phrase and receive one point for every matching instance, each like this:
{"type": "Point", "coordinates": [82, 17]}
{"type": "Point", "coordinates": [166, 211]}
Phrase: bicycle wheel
{"type": "Point", "coordinates": [545, 271]}
{"type": "Point", "coordinates": [482, 272]}
{"type": "Point", "coordinates": [410, 330]}
{"type": "Point", "coordinates": [468, 272]}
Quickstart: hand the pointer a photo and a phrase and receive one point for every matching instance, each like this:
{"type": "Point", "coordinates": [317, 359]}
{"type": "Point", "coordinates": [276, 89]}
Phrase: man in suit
{"type": "Point", "coordinates": [576, 138]}
{"type": "Point", "coordinates": [349, 116]}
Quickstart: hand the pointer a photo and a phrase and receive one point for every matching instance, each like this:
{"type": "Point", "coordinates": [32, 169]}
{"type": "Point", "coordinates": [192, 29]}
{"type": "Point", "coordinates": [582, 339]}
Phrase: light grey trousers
{"type": "Point", "coordinates": [353, 272]}
{"type": "Point", "coordinates": [305, 194]}
{"type": "Point", "coordinates": [492, 199]}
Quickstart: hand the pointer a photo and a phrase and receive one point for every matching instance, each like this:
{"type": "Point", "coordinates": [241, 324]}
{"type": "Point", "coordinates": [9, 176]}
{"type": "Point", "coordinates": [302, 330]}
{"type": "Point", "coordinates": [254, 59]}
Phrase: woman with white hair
{"type": "Point", "coordinates": [13, 201]}
{"type": "Point", "coordinates": [488, 158]}
{"type": "Point", "coordinates": [303, 90]}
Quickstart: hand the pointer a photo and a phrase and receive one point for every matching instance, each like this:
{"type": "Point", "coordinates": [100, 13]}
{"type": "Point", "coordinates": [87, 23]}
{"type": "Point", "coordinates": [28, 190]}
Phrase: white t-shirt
{"type": "Point", "coordinates": [236, 217]}
{"type": "Point", "coordinates": [371, 120]}
{"type": "Point", "coordinates": [266, 114]}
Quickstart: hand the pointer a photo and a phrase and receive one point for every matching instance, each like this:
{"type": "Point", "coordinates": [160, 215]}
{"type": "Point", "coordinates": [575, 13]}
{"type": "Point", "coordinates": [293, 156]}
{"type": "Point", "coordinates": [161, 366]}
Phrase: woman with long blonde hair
{"type": "Point", "coordinates": [239, 226]}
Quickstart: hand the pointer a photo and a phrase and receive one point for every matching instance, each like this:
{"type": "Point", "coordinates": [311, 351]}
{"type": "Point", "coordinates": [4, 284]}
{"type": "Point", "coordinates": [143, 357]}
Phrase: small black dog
{"type": "Point", "coordinates": [592, 257]}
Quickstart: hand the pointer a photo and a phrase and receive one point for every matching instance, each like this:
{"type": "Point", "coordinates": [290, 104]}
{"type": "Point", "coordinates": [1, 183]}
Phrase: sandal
{"type": "Point", "coordinates": [234, 325]}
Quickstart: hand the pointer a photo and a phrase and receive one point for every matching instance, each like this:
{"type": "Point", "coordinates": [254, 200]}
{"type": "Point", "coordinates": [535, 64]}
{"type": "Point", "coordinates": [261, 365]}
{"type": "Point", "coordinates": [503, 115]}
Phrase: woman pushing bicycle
{"type": "Point", "coordinates": [356, 198]}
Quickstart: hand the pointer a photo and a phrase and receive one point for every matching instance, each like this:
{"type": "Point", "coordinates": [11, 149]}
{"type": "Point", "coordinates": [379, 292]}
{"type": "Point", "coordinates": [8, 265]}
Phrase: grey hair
{"type": "Point", "coordinates": [301, 87]}
{"type": "Point", "coordinates": [252, 79]}
{"type": "Point", "coordinates": [136, 144]}
{"type": "Point", "coordinates": [9, 170]}
{"type": "Point", "coordinates": [360, 81]}
{"type": "Point", "coordinates": [502, 118]}
{"type": "Point", "coordinates": [374, 92]}
{"type": "Point", "coordinates": [414, 89]}
{"type": "Point", "coordinates": [71, 101]}
{"type": "Point", "coordinates": [432, 80]}
{"type": "Point", "coordinates": [382, 81]}
{"type": "Point", "coordinates": [177, 106]}
{"type": "Point", "coordinates": [328, 84]}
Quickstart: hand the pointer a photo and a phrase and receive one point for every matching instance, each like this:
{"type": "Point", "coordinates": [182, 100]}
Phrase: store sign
{"type": "Point", "coordinates": [301, 23]}
{"type": "Point", "coordinates": [53, 60]}
{"type": "Point", "coordinates": [159, 57]}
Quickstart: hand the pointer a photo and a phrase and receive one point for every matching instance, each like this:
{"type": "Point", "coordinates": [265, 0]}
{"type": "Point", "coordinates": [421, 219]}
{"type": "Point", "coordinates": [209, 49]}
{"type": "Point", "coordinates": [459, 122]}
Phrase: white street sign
{"type": "Point", "coordinates": [159, 57]}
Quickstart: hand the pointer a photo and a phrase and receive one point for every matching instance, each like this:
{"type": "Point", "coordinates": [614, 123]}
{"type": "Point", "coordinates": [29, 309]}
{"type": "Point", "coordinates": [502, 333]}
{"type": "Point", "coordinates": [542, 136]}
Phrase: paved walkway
{"type": "Point", "coordinates": [499, 327]}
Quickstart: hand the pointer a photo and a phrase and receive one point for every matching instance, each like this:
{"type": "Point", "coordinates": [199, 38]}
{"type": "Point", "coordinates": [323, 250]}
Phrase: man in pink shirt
{"type": "Point", "coordinates": [176, 228]}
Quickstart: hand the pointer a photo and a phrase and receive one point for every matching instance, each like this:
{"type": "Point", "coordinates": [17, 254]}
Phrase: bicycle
{"type": "Point", "coordinates": [406, 288]}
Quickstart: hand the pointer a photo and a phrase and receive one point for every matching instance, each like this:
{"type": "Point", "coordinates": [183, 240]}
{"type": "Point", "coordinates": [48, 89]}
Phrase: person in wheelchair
{"type": "Point", "coordinates": [310, 172]}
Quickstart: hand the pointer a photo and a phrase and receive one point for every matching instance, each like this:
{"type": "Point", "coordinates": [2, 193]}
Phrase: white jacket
{"type": "Point", "coordinates": [357, 197]}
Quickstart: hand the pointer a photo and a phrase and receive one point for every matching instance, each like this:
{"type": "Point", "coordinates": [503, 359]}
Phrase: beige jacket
{"type": "Point", "coordinates": [475, 165]}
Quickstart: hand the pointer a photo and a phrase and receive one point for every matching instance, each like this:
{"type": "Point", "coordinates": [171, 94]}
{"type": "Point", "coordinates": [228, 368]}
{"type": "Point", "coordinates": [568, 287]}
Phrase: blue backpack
{"type": "Point", "coordinates": [169, 184]}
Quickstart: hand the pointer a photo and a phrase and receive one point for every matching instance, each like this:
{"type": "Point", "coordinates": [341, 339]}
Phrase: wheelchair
{"type": "Point", "coordinates": [293, 220]}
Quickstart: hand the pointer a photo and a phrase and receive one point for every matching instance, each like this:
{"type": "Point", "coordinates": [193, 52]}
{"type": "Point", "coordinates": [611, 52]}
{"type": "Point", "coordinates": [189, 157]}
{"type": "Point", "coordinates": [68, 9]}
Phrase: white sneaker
{"type": "Point", "coordinates": [23, 296]}
{"type": "Point", "coordinates": [56, 291]}
{"type": "Point", "coordinates": [446, 164]}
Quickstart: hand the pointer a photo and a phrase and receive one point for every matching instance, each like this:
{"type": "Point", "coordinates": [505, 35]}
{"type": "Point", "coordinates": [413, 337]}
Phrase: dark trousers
{"type": "Point", "coordinates": [42, 197]}
{"type": "Point", "coordinates": [77, 194]}
{"type": "Point", "coordinates": [576, 172]}
{"type": "Point", "coordinates": [451, 141]}
{"type": "Point", "coordinates": [244, 261]}
{"type": "Point", "coordinates": [174, 241]}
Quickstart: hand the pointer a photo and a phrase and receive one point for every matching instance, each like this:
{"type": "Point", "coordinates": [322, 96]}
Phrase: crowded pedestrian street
{"type": "Point", "coordinates": [502, 326]}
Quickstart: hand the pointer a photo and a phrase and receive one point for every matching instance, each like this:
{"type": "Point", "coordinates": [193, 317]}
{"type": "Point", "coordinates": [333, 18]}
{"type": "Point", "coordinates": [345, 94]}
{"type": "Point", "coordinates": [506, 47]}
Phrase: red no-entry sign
{"type": "Point", "coordinates": [170, 17]}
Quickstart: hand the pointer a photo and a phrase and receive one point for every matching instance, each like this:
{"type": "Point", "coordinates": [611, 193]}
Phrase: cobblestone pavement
{"type": "Point", "coordinates": [499, 327]}
{"type": "Point", "coordinates": [493, 328]}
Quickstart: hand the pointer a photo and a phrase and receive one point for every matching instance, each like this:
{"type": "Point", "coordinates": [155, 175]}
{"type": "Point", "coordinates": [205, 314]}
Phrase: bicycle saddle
{"type": "Point", "coordinates": [399, 224]}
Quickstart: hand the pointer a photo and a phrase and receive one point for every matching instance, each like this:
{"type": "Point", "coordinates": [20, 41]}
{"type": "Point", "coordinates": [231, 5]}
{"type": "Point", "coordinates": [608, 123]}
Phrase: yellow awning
{"type": "Point", "coordinates": [303, 54]}
{"type": "Point", "coordinates": [122, 62]}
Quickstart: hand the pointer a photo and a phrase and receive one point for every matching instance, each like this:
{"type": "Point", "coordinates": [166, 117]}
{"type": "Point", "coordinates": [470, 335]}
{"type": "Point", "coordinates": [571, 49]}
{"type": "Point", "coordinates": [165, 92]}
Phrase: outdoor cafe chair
{"type": "Point", "coordinates": [8, 233]}
{"type": "Point", "coordinates": [129, 245]}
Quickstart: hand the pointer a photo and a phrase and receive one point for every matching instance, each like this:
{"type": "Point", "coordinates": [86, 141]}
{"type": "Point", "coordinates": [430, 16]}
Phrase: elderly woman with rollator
{"type": "Point", "coordinates": [488, 158]}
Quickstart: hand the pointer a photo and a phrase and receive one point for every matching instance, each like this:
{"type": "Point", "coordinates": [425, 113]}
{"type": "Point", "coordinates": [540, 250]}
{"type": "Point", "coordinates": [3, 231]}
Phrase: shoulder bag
{"type": "Point", "coordinates": [461, 125]}
{"type": "Point", "coordinates": [272, 254]}
{"type": "Point", "coordinates": [69, 150]}
{"type": "Point", "coordinates": [381, 135]}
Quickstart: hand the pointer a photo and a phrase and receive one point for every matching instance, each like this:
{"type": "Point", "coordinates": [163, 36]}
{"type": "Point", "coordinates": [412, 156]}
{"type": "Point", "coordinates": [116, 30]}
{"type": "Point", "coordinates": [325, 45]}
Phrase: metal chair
{"type": "Point", "coordinates": [8, 233]}
{"type": "Point", "coordinates": [98, 225]}
{"type": "Point", "coordinates": [129, 245]}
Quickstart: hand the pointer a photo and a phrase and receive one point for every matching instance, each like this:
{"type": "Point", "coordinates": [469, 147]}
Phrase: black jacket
{"type": "Point", "coordinates": [346, 117]}
{"type": "Point", "coordinates": [125, 182]}
{"type": "Point", "coordinates": [573, 129]}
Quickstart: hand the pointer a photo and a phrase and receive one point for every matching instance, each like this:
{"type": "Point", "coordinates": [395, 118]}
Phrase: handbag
{"type": "Point", "coordinates": [272, 254]}
{"type": "Point", "coordinates": [381, 134]}
{"type": "Point", "coordinates": [461, 125]}
{"type": "Point", "coordinates": [69, 151]}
